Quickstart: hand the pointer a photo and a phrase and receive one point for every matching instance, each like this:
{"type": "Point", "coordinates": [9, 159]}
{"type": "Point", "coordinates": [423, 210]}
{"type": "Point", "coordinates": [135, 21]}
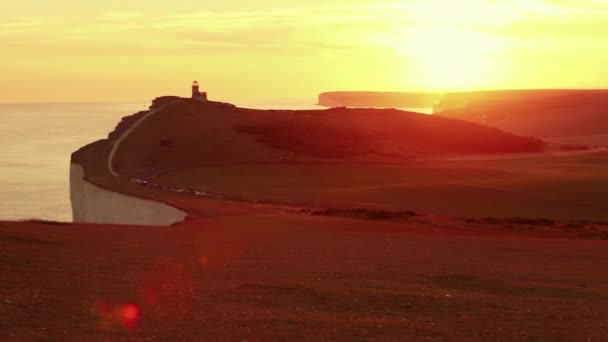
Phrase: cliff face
{"type": "Point", "coordinates": [93, 204]}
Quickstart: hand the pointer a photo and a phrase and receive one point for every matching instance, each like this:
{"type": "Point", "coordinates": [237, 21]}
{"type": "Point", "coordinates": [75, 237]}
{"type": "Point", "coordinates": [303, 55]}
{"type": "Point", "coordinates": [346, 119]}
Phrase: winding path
{"type": "Point", "coordinates": [119, 141]}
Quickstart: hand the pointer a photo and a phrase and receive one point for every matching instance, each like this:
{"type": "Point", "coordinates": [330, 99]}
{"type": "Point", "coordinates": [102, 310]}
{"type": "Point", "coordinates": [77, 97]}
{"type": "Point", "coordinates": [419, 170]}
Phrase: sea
{"type": "Point", "coordinates": [37, 140]}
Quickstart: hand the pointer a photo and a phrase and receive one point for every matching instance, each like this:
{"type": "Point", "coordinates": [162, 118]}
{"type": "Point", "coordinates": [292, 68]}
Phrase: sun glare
{"type": "Point", "coordinates": [450, 46]}
{"type": "Point", "coordinates": [454, 59]}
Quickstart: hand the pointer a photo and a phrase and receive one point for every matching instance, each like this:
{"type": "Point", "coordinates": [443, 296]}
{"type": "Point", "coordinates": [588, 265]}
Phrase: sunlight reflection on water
{"type": "Point", "coordinates": [37, 141]}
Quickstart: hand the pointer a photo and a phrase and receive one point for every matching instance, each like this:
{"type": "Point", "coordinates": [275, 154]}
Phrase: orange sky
{"type": "Point", "coordinates": [269, 49]}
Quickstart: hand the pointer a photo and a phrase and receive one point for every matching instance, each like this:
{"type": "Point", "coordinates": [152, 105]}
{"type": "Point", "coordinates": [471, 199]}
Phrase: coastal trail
{"type": "Point", "coordinates": [128, 132]}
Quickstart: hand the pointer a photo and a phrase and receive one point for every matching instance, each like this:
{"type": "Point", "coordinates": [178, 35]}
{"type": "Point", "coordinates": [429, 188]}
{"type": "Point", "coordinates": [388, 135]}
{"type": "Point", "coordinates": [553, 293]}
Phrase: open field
{"type": "Point", "coordinates": [562, 188]}
{"type": "Point", "coordinates": [593, 140]}
{"type": "Point", "coordinates": [253, 272]}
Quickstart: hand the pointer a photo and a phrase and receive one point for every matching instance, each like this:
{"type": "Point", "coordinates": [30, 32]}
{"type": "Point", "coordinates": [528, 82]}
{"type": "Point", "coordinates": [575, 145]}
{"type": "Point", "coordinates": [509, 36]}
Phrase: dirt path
{"type": "Point", "coordinates": [117, 142]}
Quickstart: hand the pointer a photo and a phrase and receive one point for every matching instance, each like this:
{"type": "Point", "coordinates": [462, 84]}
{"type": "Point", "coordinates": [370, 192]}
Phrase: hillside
{"type": "Point", "coordinates": [546, 113]}
{"type": "Point", "coordinates": [185, 132]}
{"type": "Point", "coordinates": [386, 159]}
{"type": "Point", "coordinates": [378, 99]}
{"type": "Point", "coordinates": [542, 113]}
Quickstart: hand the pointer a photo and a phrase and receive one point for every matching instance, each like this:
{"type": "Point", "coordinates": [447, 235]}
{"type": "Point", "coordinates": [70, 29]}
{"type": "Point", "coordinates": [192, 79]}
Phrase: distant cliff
{"type": "Point", "coordinates": [378, 99]}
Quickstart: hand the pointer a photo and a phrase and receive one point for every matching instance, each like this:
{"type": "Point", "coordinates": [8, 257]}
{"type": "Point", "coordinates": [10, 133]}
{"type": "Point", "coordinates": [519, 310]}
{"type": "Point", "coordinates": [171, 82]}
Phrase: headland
{"type": "Point", "coordinates": [349, 224]}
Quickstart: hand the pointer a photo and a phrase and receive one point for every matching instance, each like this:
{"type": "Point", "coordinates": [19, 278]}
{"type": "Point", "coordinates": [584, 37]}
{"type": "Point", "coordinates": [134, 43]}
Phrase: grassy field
{"type": "Point", "coordinates": [563, 188]}
{"type": "Point", "coordinates": [265, 275]}
{"type": "Point", "coordinates": [593, 140]}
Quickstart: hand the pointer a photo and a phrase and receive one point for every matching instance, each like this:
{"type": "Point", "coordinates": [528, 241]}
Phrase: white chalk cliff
{"type": "Point", "coordinates": [93, 204]}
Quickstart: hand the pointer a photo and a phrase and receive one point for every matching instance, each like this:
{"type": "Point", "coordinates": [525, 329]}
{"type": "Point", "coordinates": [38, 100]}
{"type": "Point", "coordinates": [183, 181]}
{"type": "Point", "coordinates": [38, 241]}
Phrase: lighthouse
{"type": "Point", "coordinates": [197, 94]}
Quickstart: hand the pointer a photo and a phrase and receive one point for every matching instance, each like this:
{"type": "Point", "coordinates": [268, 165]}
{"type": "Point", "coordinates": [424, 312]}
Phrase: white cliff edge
{"type": "Point", "coordinates": [93, 204]}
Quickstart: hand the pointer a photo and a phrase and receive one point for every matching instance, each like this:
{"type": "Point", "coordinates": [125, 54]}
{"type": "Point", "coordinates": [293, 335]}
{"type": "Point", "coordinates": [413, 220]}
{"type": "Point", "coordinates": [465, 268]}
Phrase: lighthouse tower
{"type": "Point", "coordinates": [197, 94]}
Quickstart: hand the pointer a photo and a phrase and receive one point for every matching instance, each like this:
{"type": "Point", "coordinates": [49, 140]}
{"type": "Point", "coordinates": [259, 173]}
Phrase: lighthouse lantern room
{"type": "Point", "coordinates": [197, 94]}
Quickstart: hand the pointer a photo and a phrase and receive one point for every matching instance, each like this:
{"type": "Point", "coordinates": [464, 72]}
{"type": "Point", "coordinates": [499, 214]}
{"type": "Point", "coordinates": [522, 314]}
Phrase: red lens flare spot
{"type": "Point", "coordinates": [111, 314]}
{"type": "Point", "coordinates": [204, 261]}
{"type": "Point", "coordinates": [130, 315]}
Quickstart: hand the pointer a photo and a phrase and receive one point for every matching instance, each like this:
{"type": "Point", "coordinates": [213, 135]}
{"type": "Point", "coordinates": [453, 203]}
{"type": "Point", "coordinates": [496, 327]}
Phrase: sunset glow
{"type": "Point", "coordinates": [112, 51]}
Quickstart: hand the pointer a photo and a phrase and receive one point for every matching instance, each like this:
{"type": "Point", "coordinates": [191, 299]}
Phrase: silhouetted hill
{"type": "Point", "coordinates": [378, 99]}
{"type": "Point", "coordinates": [184, 132]}
{"type": "Point", "coordinates": [343, 132]}
{"type": "Point", "coordinates": [546, 113]}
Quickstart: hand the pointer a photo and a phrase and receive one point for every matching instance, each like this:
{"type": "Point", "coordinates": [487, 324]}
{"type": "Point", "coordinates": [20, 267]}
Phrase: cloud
{"type": "Point", "coordinates": [316, 44]}
{"type": "Point", "coordinates": [251, 32]}
{"type": "Point", "coordinates": [321, 27]}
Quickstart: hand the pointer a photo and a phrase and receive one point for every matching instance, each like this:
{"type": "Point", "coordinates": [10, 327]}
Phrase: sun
{"type": "Point", "coordinates": [447, 58]}
{"type": "Point", "coordinates": [451, 44]}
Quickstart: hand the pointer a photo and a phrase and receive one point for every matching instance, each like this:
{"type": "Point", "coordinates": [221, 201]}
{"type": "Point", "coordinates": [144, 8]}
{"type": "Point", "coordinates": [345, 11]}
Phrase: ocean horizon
{"type": "Point", "coordinates": [37, 140]}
